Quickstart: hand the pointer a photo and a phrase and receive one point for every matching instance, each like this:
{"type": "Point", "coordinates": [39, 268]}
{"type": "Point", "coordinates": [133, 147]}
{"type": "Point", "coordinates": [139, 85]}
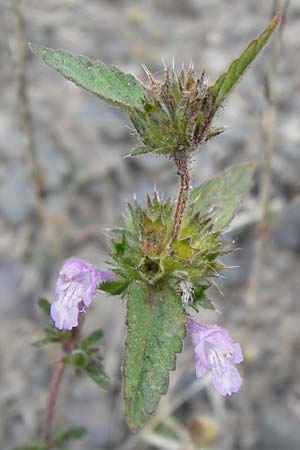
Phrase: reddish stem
{"type": "Point", "coordinates": [55, 382]}
{"type": "Point", "coordinates": [184, 186]}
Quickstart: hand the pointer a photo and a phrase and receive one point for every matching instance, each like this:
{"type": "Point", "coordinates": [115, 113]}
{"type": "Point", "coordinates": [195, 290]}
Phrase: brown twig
{"type": "Point", "coordinates": [267, 135]}
{"type": "Point", "coordinates": [55, 383]}
{"type": "Point", "coordinates": [181, 162]}
{"type": "Point", "coordinates": [24, 111]}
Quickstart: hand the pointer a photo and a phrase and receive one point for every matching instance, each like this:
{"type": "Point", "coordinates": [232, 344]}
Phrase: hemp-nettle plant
{"type": "Point", "coordinates": [166, 256]}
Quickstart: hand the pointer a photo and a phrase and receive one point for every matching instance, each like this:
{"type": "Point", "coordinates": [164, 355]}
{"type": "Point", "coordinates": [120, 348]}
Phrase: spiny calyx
{"type": "Point", "coordinates": [146, 251]}
{"type": "Point", "coordinates": [177, 114]}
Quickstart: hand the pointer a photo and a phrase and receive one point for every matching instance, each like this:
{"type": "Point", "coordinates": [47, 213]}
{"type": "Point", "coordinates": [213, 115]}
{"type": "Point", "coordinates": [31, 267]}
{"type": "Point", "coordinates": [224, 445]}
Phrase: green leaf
{"type": "Point", "coordinates": [141, 150]}
{"type": "Point", "coordinates": [227, 81]}
{"type": "Point", "coordinates": [92, 339]}
{"type": "Point", "coordinates": [45, 306]}
{"type": "Point", "coordinates": [76, 432]}
{"type": "Point", "coordinates": [52, 335]}
{"type": "Point", "coordinates": [95, 371]}
{"type": "Point", "coordinates": [113, 287]}
{"type": "Point", "coordinates": [221, 194]}
{"type": "Point", "coordinates": [201, 299]}
{"type": "Point", "coordinates": [155, 331]}
{"type": "Point", "coordinates": [35, 446]}
{"type": "Point", "coordinates": [109, 83]}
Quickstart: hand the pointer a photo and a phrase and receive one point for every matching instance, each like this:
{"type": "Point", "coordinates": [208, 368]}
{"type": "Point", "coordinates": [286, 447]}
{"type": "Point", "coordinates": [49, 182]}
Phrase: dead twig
{"type": "Point", "coordinates": [268, 136]}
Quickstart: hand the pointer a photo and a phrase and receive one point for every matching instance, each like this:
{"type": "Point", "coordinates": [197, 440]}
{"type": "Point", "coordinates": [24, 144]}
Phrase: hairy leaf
{"type": "Point", "coordinates": [226, 82]}
{"type": "Point", "coordinates": [109, 83]}
{"type": "Point", "coordinates": [221, 194]}
{"type": "Point", "coordinates": [155, 331]}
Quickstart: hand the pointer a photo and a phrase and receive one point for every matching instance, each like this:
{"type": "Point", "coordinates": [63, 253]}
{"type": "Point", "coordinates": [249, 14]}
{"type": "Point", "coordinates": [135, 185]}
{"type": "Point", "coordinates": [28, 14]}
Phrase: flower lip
{"type": "Point", "coordinates": [75, 289]}
{"type": "Point", "coordinates": [215, 350]}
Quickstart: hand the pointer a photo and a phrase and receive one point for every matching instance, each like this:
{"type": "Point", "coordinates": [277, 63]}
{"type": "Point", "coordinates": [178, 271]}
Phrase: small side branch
{"type": "Point", "coordinates": [55, 383]}
{"type": "Point", "coordinates": [51, 400]}
{"type": "Point", "coordinates": [181, 161]}
{"type": "Point", "coordinates": [24, 110]}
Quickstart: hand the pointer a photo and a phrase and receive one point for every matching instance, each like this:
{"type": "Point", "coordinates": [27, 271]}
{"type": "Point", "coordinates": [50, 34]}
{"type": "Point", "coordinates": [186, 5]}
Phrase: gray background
{"type": "Point", "coordinates": [80, 145]}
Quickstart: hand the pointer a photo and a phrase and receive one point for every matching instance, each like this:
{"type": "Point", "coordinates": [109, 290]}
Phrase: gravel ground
{"type": "Point", "coordinates": [79, 145]}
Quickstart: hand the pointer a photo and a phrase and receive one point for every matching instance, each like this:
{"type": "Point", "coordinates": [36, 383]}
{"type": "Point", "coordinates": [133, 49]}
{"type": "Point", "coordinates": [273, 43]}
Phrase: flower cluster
{"type": "Point", "coordinates": [216, 351]}
{"type": "Point", "coordinates": [75, 289]}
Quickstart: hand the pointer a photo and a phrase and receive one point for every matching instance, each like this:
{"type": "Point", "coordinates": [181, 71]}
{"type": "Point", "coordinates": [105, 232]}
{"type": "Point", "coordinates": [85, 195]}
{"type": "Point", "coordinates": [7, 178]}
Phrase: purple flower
{"type": "Point", "coordinates": [216, 351]}
{"type": "Point", "coordinates": [75, 288]}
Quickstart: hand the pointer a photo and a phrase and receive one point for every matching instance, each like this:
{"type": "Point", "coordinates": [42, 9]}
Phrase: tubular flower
{"type": "Point", "coordinates": [216, 351]}
{"type": "Point", "coordinates": [75, 289]}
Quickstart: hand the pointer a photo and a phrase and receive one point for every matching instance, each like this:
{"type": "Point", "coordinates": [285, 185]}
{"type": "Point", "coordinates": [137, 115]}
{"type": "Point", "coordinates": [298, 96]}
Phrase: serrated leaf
{"type": "Point", "coordinates": [155, 331]}
{"type": "Point", "coordinates": [221, 194]}
{"type": "Point", "coordinates": [45, 306]}
{"type": "Point", "coordinates": [113, 287]}
{"type": "Point", "coordinates": [226, 82]}
{"type": "Point", "coordinates": [107, 82]}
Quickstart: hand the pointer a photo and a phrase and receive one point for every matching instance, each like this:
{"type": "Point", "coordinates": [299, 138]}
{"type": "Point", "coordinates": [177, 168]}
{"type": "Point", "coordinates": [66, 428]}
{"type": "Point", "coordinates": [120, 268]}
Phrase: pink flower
{"type": "Point", "coordinates": [75, 289]}
{"type": "Point", "coordinates": [216, 351]}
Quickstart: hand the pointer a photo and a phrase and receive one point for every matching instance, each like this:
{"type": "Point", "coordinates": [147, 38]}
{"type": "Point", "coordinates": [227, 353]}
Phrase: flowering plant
{"type": "Point", "coordinates": [166, 256]}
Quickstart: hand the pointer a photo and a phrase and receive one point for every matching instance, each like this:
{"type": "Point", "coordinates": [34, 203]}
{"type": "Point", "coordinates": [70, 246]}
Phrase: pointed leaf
{"type": "Point", "coordinates": [109, 83]}
{"type": "Point", "coordinates": [155, 331]}
{"type": "Point", "coordinates": [226, 82]}
{"type": "Point", "coordinates": [92, 339]}
{"type": "Point", "coordinates": [113, 287]}
{"type": "Point", "coordinates": [95, 371]}
{"type": "Point", "coordinates": [141, 150]}
{"type": "Point", "coordinates": [45, 306]}
{"type": "Point", "coordinates": [221, 194]}
{"type": "Point", "coordinates": [201, 299]}
{"type": "Point", "coordinates": [76, 432]}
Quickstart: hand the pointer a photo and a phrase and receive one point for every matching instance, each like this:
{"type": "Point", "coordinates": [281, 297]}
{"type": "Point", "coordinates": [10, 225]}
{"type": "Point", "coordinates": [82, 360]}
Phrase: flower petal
{"type": "Point", "coordinates": [228, 382]}
{"type": "Point", "coordinates": [237, 355]}
{"type": "Point", "coordinates": [76, 284]}
{"type": "Point", "coordinates": [198, 330]}
{"type": "Point", "coordinates": [201, 367]}
{"type": "Point", "coordinates": [64, 318]}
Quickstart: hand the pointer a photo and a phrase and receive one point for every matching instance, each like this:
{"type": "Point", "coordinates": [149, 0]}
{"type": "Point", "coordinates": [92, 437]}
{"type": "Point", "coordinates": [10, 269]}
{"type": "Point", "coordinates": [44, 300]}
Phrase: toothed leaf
{"type": "Point", "coordinates": [221, 194]}
{"type": "Point", "coordinates": [226, 82]}
{"type": "Point", "coordinates": [107, 82]}
{"type": "Point", "coordinates": [155, 331]}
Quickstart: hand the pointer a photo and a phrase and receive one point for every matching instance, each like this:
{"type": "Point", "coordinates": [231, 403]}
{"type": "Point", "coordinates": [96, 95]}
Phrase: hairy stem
{"type": "Point", "coordinates": [181, 161]}
{"type": "Point", "coordinates": [51, 400]}
{"type": "Point", "coordinates": [55, 383]}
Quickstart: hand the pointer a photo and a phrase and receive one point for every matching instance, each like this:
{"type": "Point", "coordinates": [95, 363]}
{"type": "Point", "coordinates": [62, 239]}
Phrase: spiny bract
{"type": "Point", "coordinates": [145, 250]}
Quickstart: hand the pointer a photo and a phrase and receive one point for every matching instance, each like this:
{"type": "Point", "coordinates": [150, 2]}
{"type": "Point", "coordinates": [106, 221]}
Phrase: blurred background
{"type": "Point", "coordinates": [63, 180]}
